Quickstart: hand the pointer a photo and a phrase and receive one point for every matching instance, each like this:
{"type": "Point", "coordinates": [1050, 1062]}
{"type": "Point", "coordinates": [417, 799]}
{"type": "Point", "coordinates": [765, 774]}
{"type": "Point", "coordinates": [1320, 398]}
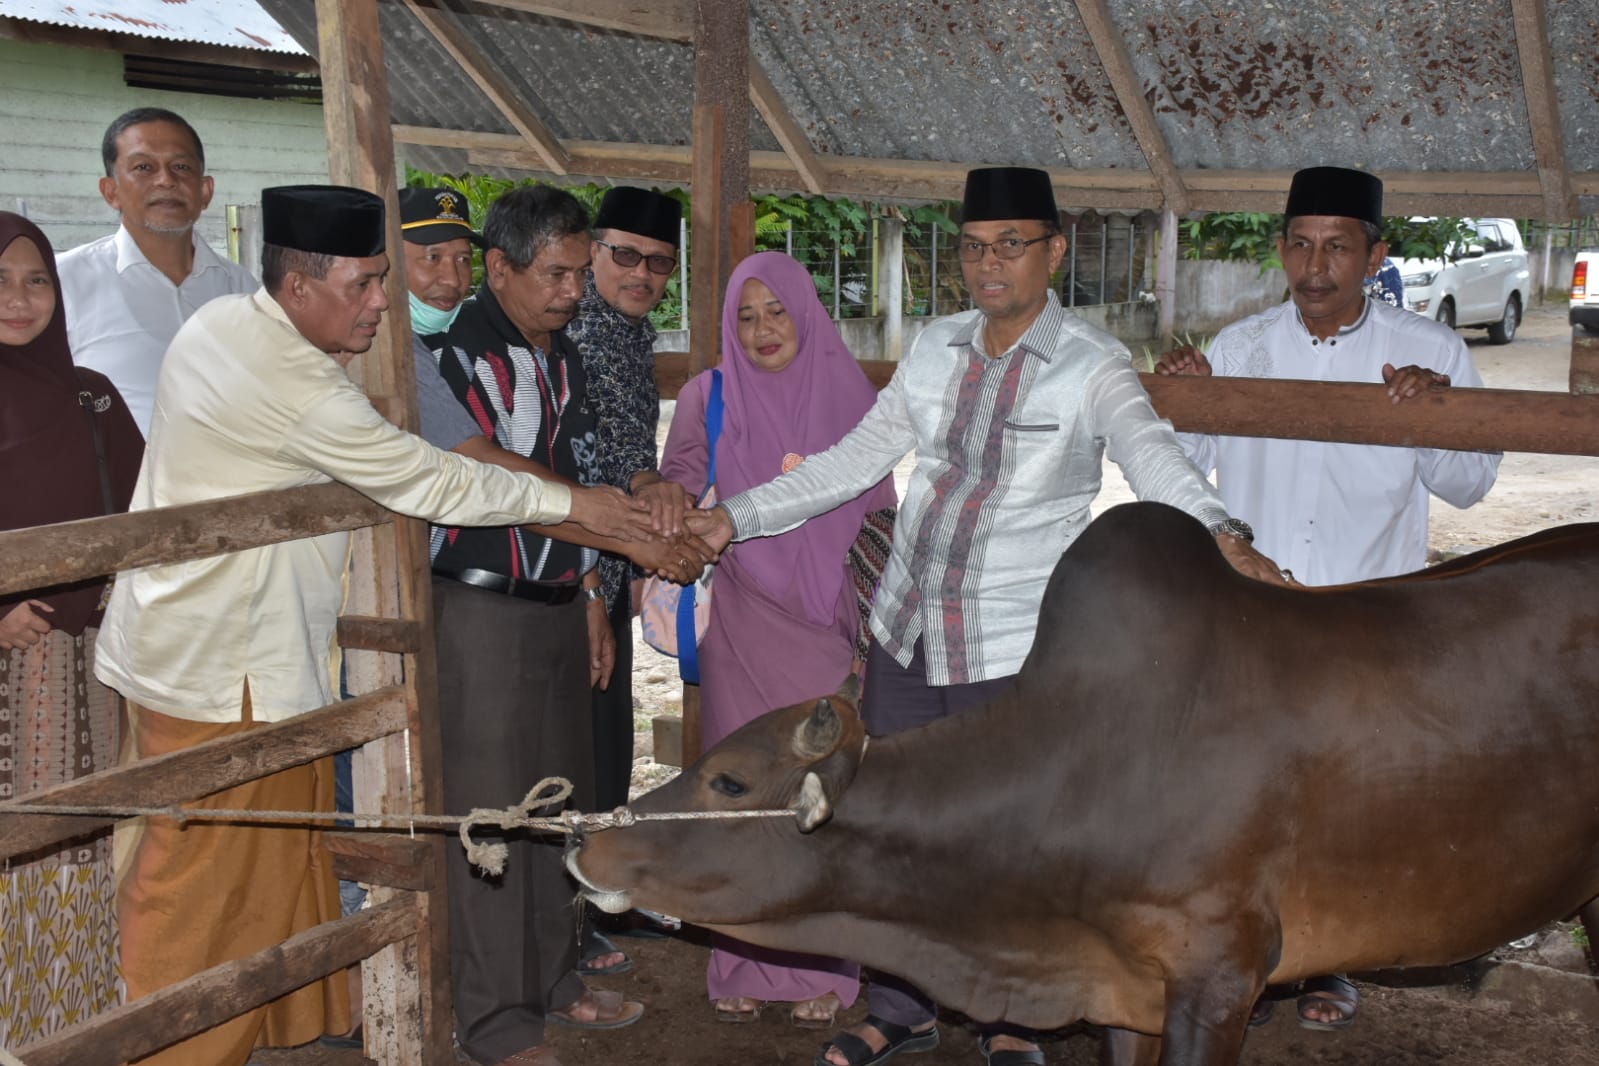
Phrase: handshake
{"type": "Point", "coordinates": [658, 527]}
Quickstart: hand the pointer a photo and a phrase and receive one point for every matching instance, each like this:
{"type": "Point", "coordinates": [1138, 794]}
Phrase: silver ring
{"type": "Point", "coordinates": [1288, 575]}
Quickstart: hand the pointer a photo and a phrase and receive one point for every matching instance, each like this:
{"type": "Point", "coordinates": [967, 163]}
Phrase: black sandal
{"type": "Point", "coordinates": [859, 1053]}
{"type": "Point", "coordinates": [1009, 1057]}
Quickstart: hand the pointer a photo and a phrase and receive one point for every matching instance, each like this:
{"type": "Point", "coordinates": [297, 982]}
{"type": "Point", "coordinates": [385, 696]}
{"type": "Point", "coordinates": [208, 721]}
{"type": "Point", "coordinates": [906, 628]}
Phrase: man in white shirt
{"type": "Point", "coordinates": [127, 294]}
{"type": "Point", "coordinates": [253, 397]}
{"type": "Point", "coordinates": [1336, 513]}
{"type": "Point", "coordinates": [1010, 409]}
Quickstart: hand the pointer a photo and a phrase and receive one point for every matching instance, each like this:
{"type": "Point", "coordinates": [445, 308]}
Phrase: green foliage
{"type": "Point", "coordinates": [1579, 934]}
{"type": "Point", "coordinates": [1251, 237]}
{"type": "Point", "coordinates": [1235, 236]}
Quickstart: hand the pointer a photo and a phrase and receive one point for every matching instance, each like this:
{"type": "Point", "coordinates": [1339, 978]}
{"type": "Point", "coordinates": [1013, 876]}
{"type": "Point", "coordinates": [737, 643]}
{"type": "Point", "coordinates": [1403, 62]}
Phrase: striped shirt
{"type": "Point", "coordinates": [1008, 458]}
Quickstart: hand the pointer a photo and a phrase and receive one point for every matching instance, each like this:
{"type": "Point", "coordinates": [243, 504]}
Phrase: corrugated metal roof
{"type": "Point", "coordinates": [230, 23]}
{"type": "Point", "coordinates": [1432, 91]}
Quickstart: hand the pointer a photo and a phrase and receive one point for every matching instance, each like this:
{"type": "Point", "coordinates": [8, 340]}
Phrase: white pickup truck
{"type": "Point", "coordinates": [1484, 284]}
{"type": "Point", "coordinates": [1585, 291]}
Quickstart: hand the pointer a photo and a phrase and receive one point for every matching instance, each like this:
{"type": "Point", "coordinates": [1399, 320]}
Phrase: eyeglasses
{"type": "Point", "coordinates": [628, 258]}
{"type": "Point", "coordinates": [1004, 248]}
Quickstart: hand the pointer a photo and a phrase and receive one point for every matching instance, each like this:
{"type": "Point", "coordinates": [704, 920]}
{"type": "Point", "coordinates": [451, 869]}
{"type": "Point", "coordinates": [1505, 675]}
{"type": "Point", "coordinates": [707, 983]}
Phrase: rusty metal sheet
{"type": "Point", "coordinates": [230, 23]}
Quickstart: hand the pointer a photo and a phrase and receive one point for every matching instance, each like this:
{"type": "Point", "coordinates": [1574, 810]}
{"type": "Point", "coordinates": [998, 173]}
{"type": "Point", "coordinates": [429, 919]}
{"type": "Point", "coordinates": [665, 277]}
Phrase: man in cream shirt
{"type": "Point", "coordinates": [253, 396]}
{"type": "Point", "coordinates": [127, 294]}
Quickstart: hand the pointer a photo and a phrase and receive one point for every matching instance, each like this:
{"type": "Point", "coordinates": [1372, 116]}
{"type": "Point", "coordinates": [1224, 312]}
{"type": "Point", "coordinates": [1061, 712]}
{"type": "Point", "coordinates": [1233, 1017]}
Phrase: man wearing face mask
{"type": "Point", "coordinates": [438, 243]}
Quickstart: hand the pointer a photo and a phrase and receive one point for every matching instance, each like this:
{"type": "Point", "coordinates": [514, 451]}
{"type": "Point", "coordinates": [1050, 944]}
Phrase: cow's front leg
{"type": "Point", "coordinates": [1207, 1018]}
{"type": "Point", "coordinates": [1124, 1047]}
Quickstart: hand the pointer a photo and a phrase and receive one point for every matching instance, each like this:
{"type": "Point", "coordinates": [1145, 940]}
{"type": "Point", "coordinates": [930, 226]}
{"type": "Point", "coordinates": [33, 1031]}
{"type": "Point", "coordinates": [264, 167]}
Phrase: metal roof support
{"type": "Point", "coordinates": [1543, 107]}
{"type": "Point", "coordinates": [444, 28]}
{"type": "Point", "coordinates": [1129, 90]}
{"type": "Point", "coordinates": [406, 986]}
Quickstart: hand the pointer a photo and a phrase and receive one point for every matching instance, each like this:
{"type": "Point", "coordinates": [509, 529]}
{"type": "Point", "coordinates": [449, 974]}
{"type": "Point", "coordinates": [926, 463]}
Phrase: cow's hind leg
{"type": "Point", "coordinates": [1123, 1047]}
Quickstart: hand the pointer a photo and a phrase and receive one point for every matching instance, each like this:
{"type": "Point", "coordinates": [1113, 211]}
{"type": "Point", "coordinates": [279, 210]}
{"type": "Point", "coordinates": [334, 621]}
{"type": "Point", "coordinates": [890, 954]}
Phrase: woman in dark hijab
{"type": "Point", "coordinates": [68, 449]}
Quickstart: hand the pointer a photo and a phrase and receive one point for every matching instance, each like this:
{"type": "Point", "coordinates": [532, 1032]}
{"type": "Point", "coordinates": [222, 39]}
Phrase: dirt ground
{"type": "Point", "coordinates": [1432, 1026]}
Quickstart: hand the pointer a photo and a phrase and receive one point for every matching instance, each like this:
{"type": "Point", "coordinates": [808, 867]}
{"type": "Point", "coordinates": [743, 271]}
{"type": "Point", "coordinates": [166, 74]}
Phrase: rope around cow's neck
{"type": "Point", "coordinates": [487, 855]}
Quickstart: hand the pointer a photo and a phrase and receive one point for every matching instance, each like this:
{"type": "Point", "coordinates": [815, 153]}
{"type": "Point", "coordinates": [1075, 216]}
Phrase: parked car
{"type": "Point", "coordinates": [1483, 284]}
{"type": "Point", "coordinates": [1585, 291]}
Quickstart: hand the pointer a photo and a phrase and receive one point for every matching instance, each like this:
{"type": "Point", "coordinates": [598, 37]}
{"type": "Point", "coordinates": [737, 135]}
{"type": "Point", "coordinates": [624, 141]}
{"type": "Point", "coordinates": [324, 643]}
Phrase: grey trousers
{"type": "Point", "coordinates": [514, 708]}
{"type": "Point", "coordinates": [897, 698]}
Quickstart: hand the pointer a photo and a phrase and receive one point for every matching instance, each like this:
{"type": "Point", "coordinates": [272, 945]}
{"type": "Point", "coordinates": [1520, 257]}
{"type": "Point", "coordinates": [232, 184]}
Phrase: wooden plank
{"type": "Point", "coordinates": [1543, 107]}
{"type": "Point", "coordinates": [196, 772]}
{"type": "Point", "coordinates": [669, 20]}
{"type": "Point", "coordinates": [1551, 423]}
{"type": "Point", "coordinates": [70, 551]}
{"type": "Point", "coordinates": [796, 145]}
{"type": "Point", "coordinates": [222, 992]}
{"type": "Point", "coordinates": [1129, 90]}
{"type": "Point", "coordinates": [384, 859]}
{"type": "Point", "coordinates": [495, 85]}
{"type": "Point", "coordinates": [365, 633]}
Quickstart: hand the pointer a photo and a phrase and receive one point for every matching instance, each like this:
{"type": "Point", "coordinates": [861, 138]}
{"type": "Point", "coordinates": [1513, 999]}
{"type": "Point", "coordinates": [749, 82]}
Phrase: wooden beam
{"type": "Point", "coordinates": [13, 29]}
{"type": "Point", "coordinates": [1124, 81]}
{"type": "Point", "coordinates": [488, 77]}
{"type": "Point", "coordinates": [386, 859]}
{"type": "Point", "coordinates": [670, 20]}
{"type": "Point", "coordinates": [197, 772]}
{"type": "Point", "coordinates": [1543, 107]}
{"type": "Point", "coordinates": [366, 633]}
{"type": "Point", "coordinates": [796, 145]}
{"type": "Point", "coordinates": [197, 1003]}
{"type": "Point", "coordinates": [71, 551]}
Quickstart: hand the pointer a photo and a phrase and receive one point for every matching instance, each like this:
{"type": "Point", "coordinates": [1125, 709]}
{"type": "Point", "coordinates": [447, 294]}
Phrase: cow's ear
{"type": "Point", "coordinates": [812, 806]}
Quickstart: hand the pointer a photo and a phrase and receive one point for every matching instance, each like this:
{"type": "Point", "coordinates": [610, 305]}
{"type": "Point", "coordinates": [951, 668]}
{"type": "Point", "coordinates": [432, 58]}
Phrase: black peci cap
{"type": "Point", "coordinates": [1336, 191]}
{"type": "Point", "coordinates": [999, 193]}
{"type": "Point", "coordinates": [641, 211]}
{"type": "Point", "coordinates": [324, 220]}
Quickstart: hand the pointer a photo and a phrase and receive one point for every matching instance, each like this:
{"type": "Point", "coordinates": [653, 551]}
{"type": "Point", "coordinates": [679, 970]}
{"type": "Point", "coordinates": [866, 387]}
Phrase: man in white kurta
{"type": "Point", "coordinates": [1334, 513]}
{"type": "Point", "coordinates": [253, 396]}
{"type": "Point", "coordinates": [126, 294]}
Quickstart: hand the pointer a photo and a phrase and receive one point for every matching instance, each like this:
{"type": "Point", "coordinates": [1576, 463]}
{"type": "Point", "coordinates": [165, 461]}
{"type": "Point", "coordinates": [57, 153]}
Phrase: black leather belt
{"type": "Point", "coordinates": [548, 592]}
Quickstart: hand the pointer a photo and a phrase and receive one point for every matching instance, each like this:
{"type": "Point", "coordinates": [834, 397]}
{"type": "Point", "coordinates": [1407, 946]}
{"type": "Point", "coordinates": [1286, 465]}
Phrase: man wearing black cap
{"type": "Point", "coordinates": [1010, 409]}
{"type": "Point", "coordinates": [253, 397]}
{"type": "Point", "coordinates": [634, 251]}
{"type": "Point", "coordinates": [1336, 513]}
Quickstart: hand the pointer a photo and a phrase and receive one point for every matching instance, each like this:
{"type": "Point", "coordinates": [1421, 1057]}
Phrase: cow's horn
{"type": "Point", "coordinates": [812, 806]}
{"type": "Point", "coordinates": [818, 734]}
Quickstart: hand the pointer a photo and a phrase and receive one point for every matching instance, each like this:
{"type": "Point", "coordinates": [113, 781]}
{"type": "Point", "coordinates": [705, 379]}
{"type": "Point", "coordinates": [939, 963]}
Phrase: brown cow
{"type": "Point", "coordinates": [1198, 784]}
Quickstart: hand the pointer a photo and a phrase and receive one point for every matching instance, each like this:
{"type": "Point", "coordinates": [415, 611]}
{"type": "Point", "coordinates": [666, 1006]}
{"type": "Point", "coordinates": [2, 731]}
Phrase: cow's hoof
{"type": "Point", "coordinates": [858, 1052]}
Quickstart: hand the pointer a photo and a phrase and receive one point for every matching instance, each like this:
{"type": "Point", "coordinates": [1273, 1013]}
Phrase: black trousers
{"type": "Point", "coordinates": [613, 716]}
{"type": "Point", "coordinates": [514, 702]}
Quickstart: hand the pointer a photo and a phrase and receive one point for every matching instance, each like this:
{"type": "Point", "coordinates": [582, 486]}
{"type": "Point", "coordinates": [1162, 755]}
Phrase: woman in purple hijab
{"type": "Point", "coordinates": [788, 614]}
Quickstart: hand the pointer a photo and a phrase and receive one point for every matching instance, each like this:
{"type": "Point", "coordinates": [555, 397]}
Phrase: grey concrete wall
{"type": "Point", "coordinates": [1211, 295]}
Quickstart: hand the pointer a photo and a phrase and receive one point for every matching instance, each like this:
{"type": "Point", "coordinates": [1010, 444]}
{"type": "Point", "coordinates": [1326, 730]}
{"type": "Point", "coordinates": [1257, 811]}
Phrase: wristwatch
{"type": "Point", "coordinates": [1233, 527]}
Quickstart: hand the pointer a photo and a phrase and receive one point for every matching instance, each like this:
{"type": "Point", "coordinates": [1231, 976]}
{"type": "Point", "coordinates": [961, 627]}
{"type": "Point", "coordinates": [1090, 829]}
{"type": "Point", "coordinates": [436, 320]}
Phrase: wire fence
{"type": "Point", "coordinates": [1106, 262]}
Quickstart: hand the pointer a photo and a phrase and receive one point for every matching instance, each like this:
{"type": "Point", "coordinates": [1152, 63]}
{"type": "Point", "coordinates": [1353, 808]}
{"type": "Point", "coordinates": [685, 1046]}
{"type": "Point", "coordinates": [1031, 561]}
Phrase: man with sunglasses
{"type": "Point", "coordinates": [634, 254]}
{"type": "Point", "coordinates": [1010, 408]}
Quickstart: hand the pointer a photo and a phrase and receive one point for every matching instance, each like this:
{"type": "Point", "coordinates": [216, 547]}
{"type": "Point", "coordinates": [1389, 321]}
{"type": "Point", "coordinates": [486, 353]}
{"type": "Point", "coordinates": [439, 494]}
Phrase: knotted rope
{"type": "Point", "coordinates": [489, 856]}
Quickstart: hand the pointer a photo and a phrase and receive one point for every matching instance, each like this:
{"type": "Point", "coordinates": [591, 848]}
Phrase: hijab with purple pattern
{"type": "Point", "coordinates": [798, 411]}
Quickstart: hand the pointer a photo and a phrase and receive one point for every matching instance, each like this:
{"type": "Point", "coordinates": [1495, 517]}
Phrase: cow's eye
{"type": "Point", "coordinates": [728, 786]}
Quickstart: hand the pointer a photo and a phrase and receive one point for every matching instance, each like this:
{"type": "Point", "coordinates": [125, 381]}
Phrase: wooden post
{"type": "Point", "coordinates": [723, 220]}
{"type": "Point", "coordinates": [407, 990]}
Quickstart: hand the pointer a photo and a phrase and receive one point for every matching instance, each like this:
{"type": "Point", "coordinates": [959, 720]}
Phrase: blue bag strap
{"type": "Point", "coordinates": [688, 647]}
